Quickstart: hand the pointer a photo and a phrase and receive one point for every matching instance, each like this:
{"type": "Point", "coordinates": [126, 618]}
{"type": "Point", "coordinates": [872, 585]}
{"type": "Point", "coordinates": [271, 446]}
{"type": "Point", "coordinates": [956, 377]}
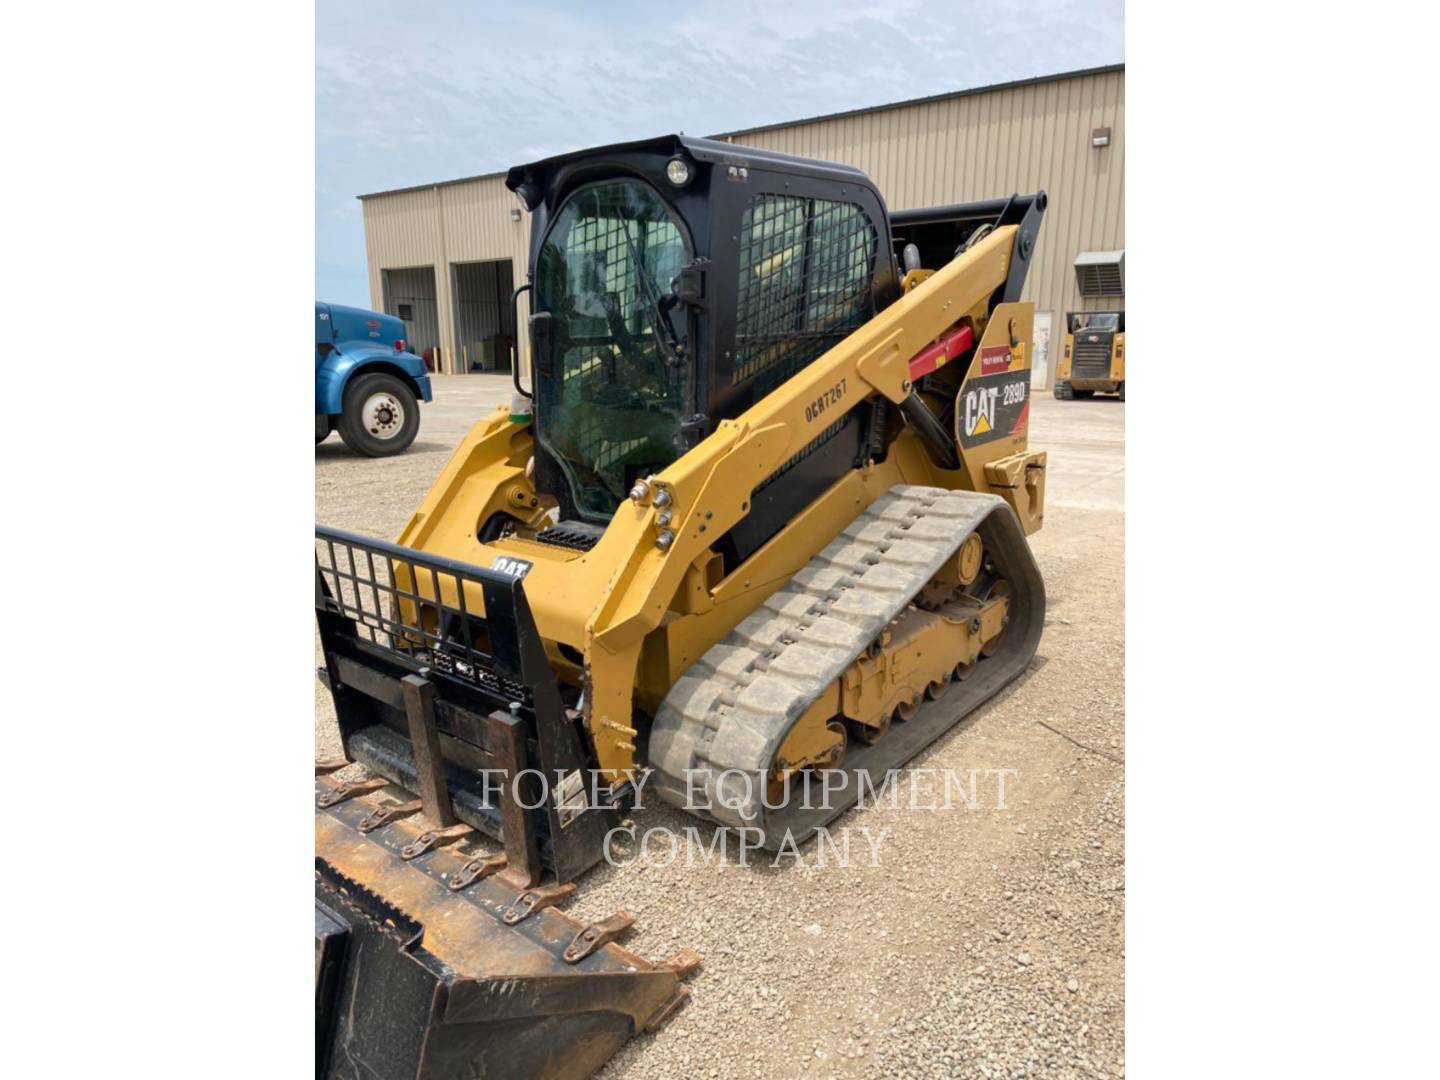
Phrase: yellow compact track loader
{"type": "Point", "coordinates": [1094, 359]}
{"type": "Point", "coordinates": [760, 516]}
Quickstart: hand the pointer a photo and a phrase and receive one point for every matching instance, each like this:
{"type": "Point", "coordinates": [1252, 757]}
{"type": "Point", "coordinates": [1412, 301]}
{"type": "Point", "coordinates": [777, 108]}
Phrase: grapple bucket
{"type": "Point", "coordinates": [415, 978]}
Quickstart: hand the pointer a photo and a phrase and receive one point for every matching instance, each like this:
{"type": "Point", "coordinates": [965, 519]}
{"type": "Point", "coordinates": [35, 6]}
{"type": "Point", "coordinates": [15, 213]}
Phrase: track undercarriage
{"type": "Point", "coordinates": [926, 597]}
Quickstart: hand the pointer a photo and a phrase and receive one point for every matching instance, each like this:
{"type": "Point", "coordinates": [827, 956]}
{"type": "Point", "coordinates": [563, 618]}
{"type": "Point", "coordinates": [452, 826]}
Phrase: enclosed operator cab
{"type": "Point", "coordinates": [1094, 358]}
{"type": "Point", "coordinates": [677, 281]}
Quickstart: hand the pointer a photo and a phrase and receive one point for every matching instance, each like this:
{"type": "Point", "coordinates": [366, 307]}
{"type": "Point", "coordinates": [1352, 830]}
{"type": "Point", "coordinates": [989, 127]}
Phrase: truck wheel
{"type": "Point", "coordinates": [1122, 389]}
{"type": "Point", "coordinates": [380, 416]}
{"type": "Point", "coordinates": [1063, 392]}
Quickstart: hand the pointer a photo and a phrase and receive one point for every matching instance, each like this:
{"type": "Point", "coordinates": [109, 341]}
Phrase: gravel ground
{"type": "Point", "coordinates": [984, 942]}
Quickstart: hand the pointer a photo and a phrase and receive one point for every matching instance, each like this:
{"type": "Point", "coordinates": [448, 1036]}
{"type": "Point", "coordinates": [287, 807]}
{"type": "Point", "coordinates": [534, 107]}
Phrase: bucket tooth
{"type": "Point", "coordinates": [533, 900]}
{"type": "Point", "coordinates": [342, 792]}
{"type": "Point", "coordinates": [383, 815]}
{"type": "Point", "coordinates": [596, 934]}
{"type": "Point", "coordinates": [430, 839]}
{"type": "Point", "coordinates": [683, 963]}
{"type": "Point", "coordinates": [477, 870]}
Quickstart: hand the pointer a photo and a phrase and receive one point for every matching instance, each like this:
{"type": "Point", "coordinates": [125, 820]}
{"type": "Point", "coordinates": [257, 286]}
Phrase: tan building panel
{"type": "Point", "coordinates": [988, 145]}
{"type": "Point", "coordinates": [973, 145]}
{"type": "Point", "coordinates": [401, 231]}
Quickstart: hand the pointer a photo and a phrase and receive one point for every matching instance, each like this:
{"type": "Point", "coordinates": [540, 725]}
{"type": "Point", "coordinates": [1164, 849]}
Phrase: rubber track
{"type": "Point", "coordinates": [729, 713]}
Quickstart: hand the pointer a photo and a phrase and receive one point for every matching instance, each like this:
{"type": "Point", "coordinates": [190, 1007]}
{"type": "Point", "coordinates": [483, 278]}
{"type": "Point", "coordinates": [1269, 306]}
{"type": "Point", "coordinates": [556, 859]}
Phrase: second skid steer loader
{"type": "Point", "coordinates": [759, 515]}
{"type": "Point", "coordinates": [1094, 357]}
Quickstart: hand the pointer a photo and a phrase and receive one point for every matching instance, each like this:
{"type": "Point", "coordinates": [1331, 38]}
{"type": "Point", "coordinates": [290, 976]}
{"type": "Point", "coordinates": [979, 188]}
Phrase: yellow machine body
{"type": "Point", "coordinates": [626, 618]}
{"type": "Point", "coordinates": [765, 511]}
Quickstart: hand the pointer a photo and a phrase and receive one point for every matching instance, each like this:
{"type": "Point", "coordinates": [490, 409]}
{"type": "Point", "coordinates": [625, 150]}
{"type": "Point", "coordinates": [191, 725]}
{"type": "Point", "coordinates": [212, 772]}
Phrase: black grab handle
{"type": "Point", "coordinates": [515, 341]}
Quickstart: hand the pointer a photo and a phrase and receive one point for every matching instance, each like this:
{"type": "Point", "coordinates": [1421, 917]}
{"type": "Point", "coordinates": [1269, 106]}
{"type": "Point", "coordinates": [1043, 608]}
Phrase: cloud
{"type": "Point", "coordinates": [416, 93]}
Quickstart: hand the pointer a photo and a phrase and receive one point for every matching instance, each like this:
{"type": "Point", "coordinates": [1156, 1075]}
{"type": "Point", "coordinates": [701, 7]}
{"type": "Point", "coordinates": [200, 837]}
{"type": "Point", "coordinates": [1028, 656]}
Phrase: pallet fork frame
{"type": "Point", "coordinates": [470, 739]}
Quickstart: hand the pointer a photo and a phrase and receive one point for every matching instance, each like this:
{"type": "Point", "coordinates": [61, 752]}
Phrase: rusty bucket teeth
{"type": "Point", "coordinates": [477, 870]}
{"type": "Point", "coordinates": [684, 963]}
{"type": "Point", "coordinates": [532, 900]}
{"type": "Point", "coordinates": [597, 934]}
{"type": "Point", "coordinates": [431, 839]}
{"type": "Point", "coordinates": [352, 789]}
{"type": "Point", "coordinates": [383, 815]}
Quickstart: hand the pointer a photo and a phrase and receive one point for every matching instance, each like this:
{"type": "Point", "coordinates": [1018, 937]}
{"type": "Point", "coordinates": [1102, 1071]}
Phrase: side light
{"type": "Point", "coordinates": [678, 171]}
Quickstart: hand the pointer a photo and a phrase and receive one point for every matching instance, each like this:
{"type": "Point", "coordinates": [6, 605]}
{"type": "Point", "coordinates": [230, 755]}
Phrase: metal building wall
{"type": "Point", "coordinates": [973, 145]}
{"type": "Point", "coordinates": [442, 226]}
{"type": "Point", "coordinates": [992, 143]}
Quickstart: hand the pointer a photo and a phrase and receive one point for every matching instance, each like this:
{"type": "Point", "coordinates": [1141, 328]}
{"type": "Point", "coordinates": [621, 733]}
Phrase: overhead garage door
{"type": "Point", "coordinates": [410, 297]}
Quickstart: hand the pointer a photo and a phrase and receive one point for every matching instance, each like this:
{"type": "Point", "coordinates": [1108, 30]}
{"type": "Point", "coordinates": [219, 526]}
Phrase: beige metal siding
{"type": "Point", "coordinates": [989, 145]}
{"type": "Point", "coordinates": [477, 220]}
{"type": "Point", "coordinates": [955, 149]}
{"type": "Point", "coordinates": [401, 230]}
{"type": "Point", "coordinates": [441, 226]}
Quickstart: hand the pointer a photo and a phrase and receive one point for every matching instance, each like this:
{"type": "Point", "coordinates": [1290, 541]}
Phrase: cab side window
{"type": "Point", "coordinates": [805, 273]}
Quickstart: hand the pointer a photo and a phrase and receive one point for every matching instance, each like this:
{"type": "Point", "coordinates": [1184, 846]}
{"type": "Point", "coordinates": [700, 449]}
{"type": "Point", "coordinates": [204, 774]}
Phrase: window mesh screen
{"type": "Point", "coordinates": [805, 271]}
{"type": "Point", "coordinates": [602, 253]}
{"type": "Point", "coordinates": [611, 409]}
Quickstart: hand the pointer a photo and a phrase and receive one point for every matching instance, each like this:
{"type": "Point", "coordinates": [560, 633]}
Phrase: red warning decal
{"type": "Point", "coordinates": [1024, 419]}
{"type": "Point", "coordinates": [994, 358]}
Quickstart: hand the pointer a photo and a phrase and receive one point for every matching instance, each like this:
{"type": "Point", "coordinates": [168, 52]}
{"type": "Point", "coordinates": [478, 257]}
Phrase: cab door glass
{"type": "Point", "coordinates": [610, 408]}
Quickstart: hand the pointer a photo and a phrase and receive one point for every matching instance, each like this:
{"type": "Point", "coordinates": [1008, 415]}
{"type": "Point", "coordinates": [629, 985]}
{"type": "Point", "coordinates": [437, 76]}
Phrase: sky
{"type": "Point", "coordinates": [414, 93]}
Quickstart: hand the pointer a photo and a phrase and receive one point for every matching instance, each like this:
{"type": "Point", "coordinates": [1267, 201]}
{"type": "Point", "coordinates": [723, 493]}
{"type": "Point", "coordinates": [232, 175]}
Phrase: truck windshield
{"type": "Point", "coordinates": [1104, 322]}
{"type": "Point", "coordinates": [610, 408]}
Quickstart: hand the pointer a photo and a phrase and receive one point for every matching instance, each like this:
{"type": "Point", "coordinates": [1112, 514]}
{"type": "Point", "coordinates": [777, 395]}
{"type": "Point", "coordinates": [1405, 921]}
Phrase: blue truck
{"type": "Point", "coordinates": [368, 386]}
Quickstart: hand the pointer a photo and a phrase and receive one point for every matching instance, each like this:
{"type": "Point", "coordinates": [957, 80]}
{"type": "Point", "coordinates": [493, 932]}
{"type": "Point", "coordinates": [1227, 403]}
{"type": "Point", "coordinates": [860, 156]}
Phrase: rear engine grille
{"type": "Point", "coordinates": [1090, 360]}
